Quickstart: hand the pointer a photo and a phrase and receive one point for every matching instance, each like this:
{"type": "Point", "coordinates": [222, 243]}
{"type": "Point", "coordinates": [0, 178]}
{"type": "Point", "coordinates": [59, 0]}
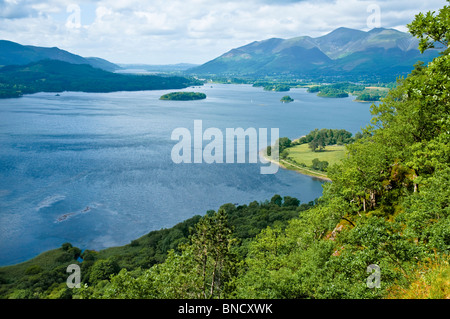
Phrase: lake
{"type": "Point", "coordinates": [95, 169]}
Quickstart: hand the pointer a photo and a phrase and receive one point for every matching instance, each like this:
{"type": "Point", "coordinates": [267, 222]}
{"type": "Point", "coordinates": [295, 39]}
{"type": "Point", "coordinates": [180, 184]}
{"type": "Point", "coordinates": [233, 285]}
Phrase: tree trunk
{"type": "Point", "coordinates": [213, 279]}
{"type": "Point", "coordinates": [373, 201]}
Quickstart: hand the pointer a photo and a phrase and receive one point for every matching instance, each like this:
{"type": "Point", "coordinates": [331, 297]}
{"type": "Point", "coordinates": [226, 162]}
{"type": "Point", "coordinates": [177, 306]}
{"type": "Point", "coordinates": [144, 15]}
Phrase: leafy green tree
{"type": "Point", "coordinates": [289, 201]}
{"type": "Point", "coordinates": [431, 28]}
{"type": "Point", "coordinates": [313, 145]}
{"type": "Point", "coordinates": [211, 244]}
{"type": "Point", "coordinates": [277, 200]}
{"type": "Point", "coordinates": [319, 165]}
{"type": "Point", "coordinates": [284, 142]}
{"type": "Point", "coordinates": [203, 269]}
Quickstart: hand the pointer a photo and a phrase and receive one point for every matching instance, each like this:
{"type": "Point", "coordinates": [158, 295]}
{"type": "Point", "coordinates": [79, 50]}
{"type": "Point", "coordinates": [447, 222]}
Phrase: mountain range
{"type": "Point", "coordinates": [12, 53]}
{"type": "Point", "coordinates": [343, 53]}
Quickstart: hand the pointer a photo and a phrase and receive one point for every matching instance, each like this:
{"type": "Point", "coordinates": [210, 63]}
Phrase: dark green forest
{"type": "Point", "coordinates": [59, 76]}
{"type": "Point", "coordinates": [387, 206]}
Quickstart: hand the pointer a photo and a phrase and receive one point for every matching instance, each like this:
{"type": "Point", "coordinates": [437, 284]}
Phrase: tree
{"type": "Point", "coordinates": [277, 200]}
{"type": "Point", "coordinates": [211, 245]}
{"type": "Point", "coordinates": [319, 165]}
{"type": "Point", "coordinates": [313, 145]}
{"type": "Point", "coordinates": [431, 28]}
{"type": "Point", "coordinates": [290, 201]}
{"type": "Point", "coordinates": [284, 142]}
{"type": "Point", "coordinates": [205, 267]}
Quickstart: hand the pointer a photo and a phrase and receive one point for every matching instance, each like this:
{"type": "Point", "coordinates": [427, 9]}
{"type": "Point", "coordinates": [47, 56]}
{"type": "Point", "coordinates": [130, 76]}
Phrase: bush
{"type": "Point", "coordinates": [319, 165]}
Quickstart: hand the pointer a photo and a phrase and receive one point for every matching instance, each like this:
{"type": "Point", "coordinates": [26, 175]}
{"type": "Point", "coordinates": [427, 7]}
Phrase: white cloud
{"type": "Point", "coordinates": [172, 31]}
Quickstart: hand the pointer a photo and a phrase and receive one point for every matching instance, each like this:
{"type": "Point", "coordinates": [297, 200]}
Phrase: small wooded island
{"type": "Point", "coordinates": [287, 99]}
{"type": "Point", "coordinates": [183, 96]}
{"type": "Point", "coordinates": [277, 87]}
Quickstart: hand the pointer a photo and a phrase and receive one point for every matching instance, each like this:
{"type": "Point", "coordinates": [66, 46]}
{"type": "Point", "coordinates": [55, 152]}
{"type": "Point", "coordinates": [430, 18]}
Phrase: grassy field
{"type": "Point", "coordinates": [302, 154]}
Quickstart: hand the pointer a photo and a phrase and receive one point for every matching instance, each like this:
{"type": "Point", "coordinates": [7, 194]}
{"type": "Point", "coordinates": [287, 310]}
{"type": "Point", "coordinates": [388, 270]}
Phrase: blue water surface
{"type": "Point", "coordinates": [95, 169]}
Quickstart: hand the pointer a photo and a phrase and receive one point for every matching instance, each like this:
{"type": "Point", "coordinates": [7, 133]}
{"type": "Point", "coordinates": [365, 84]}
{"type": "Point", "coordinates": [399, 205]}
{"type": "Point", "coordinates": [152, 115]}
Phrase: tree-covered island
{"type": "Point", "coordinates": [287, 99]}
{"type": "Point", "coordinates": [183, 96]}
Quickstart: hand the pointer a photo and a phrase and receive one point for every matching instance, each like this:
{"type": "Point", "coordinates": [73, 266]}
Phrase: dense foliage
{"type": "Point", "coordinates": [318, 139]}
{"type": "Point", "coordinates": [59, 76]}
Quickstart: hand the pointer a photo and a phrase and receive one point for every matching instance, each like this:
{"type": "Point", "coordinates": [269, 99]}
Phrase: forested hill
{"type": "Point", "coordinates": [12, 53]}
{"type": "Point", "coordinates": [59, 76]}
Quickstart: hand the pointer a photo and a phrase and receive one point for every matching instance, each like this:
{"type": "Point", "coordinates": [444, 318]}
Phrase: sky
{"type": "Point", "coordinates": [189, 31]}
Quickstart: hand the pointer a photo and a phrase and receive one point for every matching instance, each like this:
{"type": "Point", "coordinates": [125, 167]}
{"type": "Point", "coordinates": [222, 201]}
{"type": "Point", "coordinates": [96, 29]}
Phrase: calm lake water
{"type": "Point", "coordinates": [95, 170]}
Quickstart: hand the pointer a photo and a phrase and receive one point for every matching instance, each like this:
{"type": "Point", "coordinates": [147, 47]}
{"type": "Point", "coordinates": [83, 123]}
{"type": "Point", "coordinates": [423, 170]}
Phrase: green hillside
{"type": "Point", "coordinates": [12, 53]}
{"type": "Point", "coordinates": [59, 76]}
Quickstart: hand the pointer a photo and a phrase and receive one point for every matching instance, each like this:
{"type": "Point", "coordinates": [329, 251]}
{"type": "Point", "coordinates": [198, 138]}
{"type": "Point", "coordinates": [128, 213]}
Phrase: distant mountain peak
{"type": "Point", "coordinates": [344, 30]}
{"type": "Point", "coordinates": [379, 52]}
{"type": "Point", "coordinates": [12, 53]}
{"type": "Point", "coordinates": [376, 30]}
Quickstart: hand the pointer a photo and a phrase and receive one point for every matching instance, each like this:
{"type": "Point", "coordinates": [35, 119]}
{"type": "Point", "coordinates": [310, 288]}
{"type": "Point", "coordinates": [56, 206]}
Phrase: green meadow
{"type": "Point", "coordinates": [303, 154]}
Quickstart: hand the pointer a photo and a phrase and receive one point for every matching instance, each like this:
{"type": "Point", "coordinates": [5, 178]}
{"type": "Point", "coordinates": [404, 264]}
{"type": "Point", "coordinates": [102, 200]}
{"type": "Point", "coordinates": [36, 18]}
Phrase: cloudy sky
{"type": "Point", "coordinates": [190, 31]}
